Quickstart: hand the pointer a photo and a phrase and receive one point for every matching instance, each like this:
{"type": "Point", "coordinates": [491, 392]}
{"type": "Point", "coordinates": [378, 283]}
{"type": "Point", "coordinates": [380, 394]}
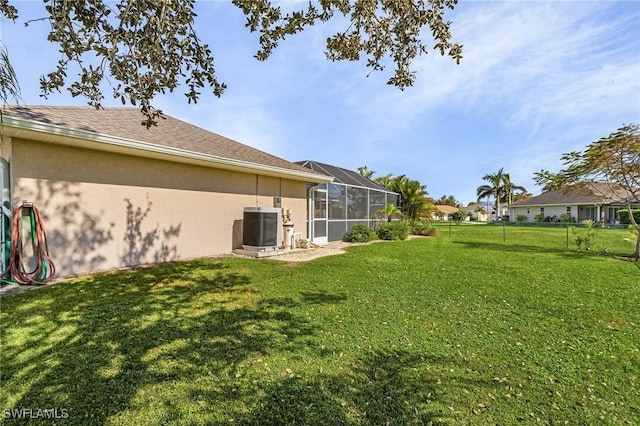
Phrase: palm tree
{"type": "Point", "coordinates": [389, 210]}
{"type": "Point", "coordinates": [510, 188]}
{"type": "Point", "coordinates": [384, 180]}
{"type": "Point", "coordinates": [412, 194]}
{"type": "Point", "coordinates": [494, 188]}
{"type": "Point", "coordinates": [9, 87]}
{"type": "Point", "coordinates": [501, 188]}
{"type": "Point", "coordinates": [365, 172]}
{"type": "Point", "coordinates": [429, 210]}
{"type": "Point", "coordinates": [522, 196]}
{"type": "Point", "coordinates": [478, 211]}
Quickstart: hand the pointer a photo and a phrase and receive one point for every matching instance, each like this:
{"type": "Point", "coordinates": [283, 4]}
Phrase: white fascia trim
{"type": "Point", "coordinates": [62, 133]}
{"type": "Point", "coordinates": [560, 205]}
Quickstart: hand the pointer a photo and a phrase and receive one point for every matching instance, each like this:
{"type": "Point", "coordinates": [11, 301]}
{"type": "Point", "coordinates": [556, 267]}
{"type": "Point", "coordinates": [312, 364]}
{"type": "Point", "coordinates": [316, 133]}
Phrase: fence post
{"type": "Point", "coordinates": [567, 224]}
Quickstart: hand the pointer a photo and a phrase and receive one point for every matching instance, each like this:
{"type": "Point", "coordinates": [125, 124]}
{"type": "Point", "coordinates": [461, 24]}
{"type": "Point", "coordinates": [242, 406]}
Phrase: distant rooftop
{"type": "Point", "coordinates": [601, 193]}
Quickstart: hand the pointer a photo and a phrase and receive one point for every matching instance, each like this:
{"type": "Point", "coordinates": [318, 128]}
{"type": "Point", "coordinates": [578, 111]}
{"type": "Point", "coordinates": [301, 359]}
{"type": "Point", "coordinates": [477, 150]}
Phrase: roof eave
{"type": "Point", "coordinates": [573, 203]}
{"type": "Point", "coordinates": [50, 133]}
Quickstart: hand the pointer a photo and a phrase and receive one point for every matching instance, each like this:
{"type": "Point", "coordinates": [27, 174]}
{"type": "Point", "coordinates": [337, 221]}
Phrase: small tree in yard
{"type": "Point", "coordinates": [479, 210]}
{"type": "Point", "coordinates": [586, 237]}
{"type": "Point", "coordinates": [458, 216]}
{"type": "Point", "coordinates": [608, 168]}
{"type": "Point", "coordinates": [389, 210]}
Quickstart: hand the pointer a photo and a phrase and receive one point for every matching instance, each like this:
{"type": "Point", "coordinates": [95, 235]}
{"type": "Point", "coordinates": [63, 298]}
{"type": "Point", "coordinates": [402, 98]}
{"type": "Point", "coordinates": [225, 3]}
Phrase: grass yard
{"type": "Point", "coordinates": [454, 330]}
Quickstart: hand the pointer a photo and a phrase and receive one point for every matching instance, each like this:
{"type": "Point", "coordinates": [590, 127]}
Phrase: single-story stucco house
{"type": "Point", "coordinates": [444, 211]}
{"type": "Point", "coordinates": [113, 193]}
{"type": "Point", "coordinates": [602, 205]}
{"type": "Point", "coordinates": [478, 211]}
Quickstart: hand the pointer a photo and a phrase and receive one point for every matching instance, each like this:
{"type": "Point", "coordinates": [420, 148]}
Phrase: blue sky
{"type": "Point", "coordinates": [537, 79]}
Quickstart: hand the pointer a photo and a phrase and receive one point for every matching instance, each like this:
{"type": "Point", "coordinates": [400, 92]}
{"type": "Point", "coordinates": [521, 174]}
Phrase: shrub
{"type": "Point", "coordinates": [539, 218]}
{"type": "Point", "coordinates": [393, 231]}
{"type": "Point", "coordinates": [521, 218]}
{"type": "Point", "coordinates": [359, 233]}
{"type": "Point", "coordinates": [565, 217]}
{"type": "Point", "coordinates": [586, 237]}
{"type": "Point", "coordinates": [430, 232]}
{"type": "Point", "coordinates": [624, 216]}
{"type": "Point", "coordinates": [458, 216]}
{"type": "Point", "coordinates": [425, 229]}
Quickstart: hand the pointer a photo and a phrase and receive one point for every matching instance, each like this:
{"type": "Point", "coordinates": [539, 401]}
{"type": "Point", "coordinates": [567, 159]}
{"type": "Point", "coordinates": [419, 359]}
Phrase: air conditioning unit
{"type": "Point", "coordinates": [262, 228]}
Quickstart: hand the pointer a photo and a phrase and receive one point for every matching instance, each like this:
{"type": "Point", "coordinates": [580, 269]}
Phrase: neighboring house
{"type": "Point", "coordinates": [349, 199]}
{"type": "Point", "coordinates": [579, 205]}
{"type": "Point", "coordinates": [443, 212]}
{"type": "Point", "coordinates": [489, 214]}
{"type": "Point", "coordinates": [480, 216]}
{"type": "Point", "coordinates": [113, 193]}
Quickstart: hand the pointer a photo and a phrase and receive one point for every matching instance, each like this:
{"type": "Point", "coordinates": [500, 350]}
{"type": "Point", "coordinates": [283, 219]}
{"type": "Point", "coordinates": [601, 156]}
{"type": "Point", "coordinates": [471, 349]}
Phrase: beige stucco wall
{"type": "Point", "coordinates": [549, 211]}
{"type": "Point", "coordinates": [105, 210]}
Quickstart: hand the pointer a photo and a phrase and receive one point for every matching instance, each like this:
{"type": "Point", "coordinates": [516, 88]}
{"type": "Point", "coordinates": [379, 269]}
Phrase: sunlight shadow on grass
{"type": "Point", "coordinates": [318, 297]}
{"type": "Point", "coordinates": [149, 328]}
{"type": "Point", "coordinates": [154, 329]}
{"type": "Point", "coordinates": [382, 388]}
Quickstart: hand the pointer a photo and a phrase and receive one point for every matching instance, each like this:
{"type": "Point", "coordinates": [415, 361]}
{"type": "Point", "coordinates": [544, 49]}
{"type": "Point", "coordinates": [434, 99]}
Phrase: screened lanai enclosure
{"type": "Point", "coordinates": [350, 199]}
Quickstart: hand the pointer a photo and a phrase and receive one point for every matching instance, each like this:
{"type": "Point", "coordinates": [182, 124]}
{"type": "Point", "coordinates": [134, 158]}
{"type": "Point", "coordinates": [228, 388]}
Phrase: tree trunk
{"type": "Point", "coordinates": [636, 255]}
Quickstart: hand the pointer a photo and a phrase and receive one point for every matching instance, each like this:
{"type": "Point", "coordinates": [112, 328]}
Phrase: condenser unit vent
{"type": "Point", "coordinates": [261, 228]}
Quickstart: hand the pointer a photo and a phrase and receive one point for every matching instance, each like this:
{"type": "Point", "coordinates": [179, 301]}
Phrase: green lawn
{"type": "Point", "coordinates": [460, 329]}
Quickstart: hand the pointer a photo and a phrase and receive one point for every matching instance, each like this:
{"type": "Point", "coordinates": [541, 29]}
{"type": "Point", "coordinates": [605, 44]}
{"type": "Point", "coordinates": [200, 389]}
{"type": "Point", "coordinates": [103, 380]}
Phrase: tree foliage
{"type": "Point", "coordinates": [384, 180]}
{"type": "Point", "coordinates": [414, 201]}
{"type": "Point", "coordinates": [501, 188]}
{"type": "Point", "coordinates": [9, 87]}
{"type": "Point", "coordinates": [377, 29]}
{"type": "Point", "coordinates": [365, 172]}
{"type": "Point", "coordinates": [608, 168]}
{"type": "Point", "coordinates": [389, 211]}
{"type": "Point", "coordinates": [458, 216]}
{"type": "Point", "coordinates": [150, 47]}
{"type": "Point", "coordinates": [511, 191]}
{"type": "Point", "coordinates": [448, 201]}
{"type": "Point", "coordinates": [413, 195]}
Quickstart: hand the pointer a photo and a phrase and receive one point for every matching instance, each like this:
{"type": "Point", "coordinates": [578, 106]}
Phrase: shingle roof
{"type": "Point", "coordinates": [473, 206]}
{"type": "Point", "coordinates": [446, 209]}
{"type": "Point", "coordinates": [602, 194]}
{"type": "Point", "coordinates": [170, 132]}
{"type": "Point", "coordinates": [340, 175]}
